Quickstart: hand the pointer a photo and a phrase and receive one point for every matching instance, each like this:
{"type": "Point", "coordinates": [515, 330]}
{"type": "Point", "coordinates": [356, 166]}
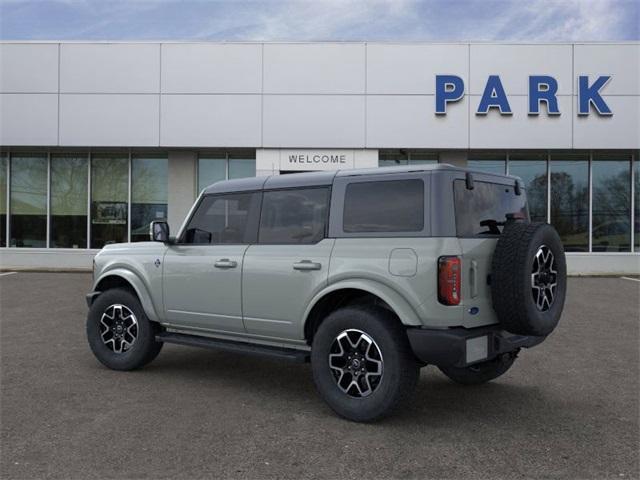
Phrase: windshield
{"type": "Point", "coordinates": [485, 209]}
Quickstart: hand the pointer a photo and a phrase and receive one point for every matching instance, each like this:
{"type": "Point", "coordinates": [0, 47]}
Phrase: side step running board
{"type": "Point", "coordinates": [290, 354]}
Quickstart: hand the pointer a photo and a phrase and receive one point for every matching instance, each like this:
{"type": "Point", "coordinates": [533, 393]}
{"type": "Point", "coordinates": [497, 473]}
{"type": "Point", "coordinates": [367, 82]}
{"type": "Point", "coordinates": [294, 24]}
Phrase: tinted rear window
{"type": "Point", "coordinates": [483, 210]}
{"type": "Point", "coordinates": [384, 206]}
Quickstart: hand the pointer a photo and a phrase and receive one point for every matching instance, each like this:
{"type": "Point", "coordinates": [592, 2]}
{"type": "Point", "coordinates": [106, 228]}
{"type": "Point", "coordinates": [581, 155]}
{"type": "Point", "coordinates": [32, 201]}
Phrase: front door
{"type": "Point", "coordinates": [203, 270]}
{"type": "Point", "coordinates": [289, 264]}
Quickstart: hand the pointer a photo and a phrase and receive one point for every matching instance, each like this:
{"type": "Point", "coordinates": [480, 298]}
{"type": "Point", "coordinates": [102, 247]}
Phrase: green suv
{"type": "Point", "coordinates": [368, 274]}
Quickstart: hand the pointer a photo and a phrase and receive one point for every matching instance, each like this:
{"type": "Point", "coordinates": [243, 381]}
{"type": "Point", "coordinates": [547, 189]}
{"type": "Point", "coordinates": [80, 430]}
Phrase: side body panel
{"type": "Point", "coordinates": [202, 287]}
{"type": "Point", "coordinates": [366, 262]}
{"type": "Point", "coordinates": [277, 286]}
{"type": "Point", "coordinates": [136, 263]}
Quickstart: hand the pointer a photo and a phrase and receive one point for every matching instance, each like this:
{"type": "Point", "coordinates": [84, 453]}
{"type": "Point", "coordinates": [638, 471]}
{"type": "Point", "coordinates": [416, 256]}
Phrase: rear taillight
{"type": "Point", "coordinates": [449, 280]}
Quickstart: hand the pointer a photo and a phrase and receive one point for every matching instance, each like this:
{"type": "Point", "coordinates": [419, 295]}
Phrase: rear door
{"type": "Point", "coordinates": [290, 262]}
{"type": "Point", "coordinates": [480, 216]}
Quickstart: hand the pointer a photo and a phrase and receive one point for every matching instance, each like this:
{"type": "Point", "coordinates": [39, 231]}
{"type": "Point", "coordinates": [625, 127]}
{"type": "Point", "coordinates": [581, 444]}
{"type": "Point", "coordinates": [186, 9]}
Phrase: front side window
{"type": "Point", "coordinates": [296, 216]}
{"type": "Point", "coordinates": [384, 206]}
{"type": "Point", "coordinates": [485, 209]}
{"type": "Point", "coordinates": [224, 219]}
{"type": "Point", "coordinates": [28, 201]}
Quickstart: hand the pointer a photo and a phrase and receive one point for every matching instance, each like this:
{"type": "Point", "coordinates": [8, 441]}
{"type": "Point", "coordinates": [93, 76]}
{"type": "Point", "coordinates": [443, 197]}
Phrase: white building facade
{"type": "Point", "coordinates": [98, 139]}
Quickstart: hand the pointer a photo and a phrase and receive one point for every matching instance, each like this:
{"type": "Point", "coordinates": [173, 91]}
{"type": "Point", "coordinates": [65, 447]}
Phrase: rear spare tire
{"type": "Point", "coordinates": [529, 278]}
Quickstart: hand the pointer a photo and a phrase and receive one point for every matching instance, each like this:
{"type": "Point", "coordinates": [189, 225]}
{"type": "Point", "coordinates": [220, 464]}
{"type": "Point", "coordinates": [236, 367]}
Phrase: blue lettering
{"type": "Point", "coordinates": [590, 95]}
{"type": "Point", "coordinates": [449, 88]}
{"type": "Point", "coordinates": [538, 94]}
{"type": "Point", "coordinates": [494, 97]}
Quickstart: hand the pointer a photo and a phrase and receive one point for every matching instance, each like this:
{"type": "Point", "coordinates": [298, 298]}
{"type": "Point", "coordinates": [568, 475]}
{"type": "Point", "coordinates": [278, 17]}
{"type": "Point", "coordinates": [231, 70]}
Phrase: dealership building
{"type": "Point", "coordinates": [98, 139]}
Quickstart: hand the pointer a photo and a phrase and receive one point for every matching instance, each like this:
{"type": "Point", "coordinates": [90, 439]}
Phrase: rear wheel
{"type": "Point", "coordinates": [363, 366]}
{"type": "Point", "coordinates": [120, 334]}
{"type": "Point", "coordinates": [481, 372]}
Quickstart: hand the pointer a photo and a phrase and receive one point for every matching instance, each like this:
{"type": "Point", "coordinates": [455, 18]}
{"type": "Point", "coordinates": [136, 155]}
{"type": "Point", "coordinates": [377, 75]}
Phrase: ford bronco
{"type": "Point", "coordinates": [368, 274]}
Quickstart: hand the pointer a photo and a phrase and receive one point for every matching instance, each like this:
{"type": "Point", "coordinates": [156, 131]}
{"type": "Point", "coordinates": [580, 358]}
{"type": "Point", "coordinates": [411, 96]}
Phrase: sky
{"type": "Point", "coordinates": [321, 20]}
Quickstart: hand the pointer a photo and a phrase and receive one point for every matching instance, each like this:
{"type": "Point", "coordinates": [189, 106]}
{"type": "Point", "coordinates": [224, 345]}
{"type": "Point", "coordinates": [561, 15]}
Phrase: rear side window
{"type": "Point", "coordinates": [483, 210]}
{"type": "Point", "coordinates": [221, 219]}
{"type": "Point", "coordinates": [384, 206]}
{"type": "Point", "coordinates": [295, 216]}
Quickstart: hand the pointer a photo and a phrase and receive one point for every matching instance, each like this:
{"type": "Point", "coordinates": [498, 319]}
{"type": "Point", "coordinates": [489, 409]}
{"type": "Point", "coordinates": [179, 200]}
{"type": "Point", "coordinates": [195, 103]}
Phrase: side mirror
{"type": "Point", "coordinates": [159, 231]}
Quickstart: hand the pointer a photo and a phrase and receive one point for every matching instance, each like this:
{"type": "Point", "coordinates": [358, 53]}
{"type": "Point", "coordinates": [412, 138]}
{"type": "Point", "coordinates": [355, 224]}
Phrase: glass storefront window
{"type": "Point", "coordinates": [570, 200]}
{"type": "Point", "coordinates": [392, 158]}
{"type": "Point", "coordinates": [3, 199]}
{"type": "Point", "coordinates": [611, 190]}
{"type": "Point", "coordinates": [68, 201]}
{"type": "Point", "coordinates": [214, 167]}
{"type": "Point", "coordinates": [242, 165]}
{"type": "Point", "coordinates": [421, 158]}
{"type": "Point", "coordinates": [488, 162]}
{"type": "Point", "coordinates": [28, 201]}
{"type": "Point", "coordinates": [149, 194]}
{"type": "Point", "coordinates": [532, 169]}
{"type": "Point", "coordinates": [211, 170]}
{"type": "Point", "coordinates": [109, 196]}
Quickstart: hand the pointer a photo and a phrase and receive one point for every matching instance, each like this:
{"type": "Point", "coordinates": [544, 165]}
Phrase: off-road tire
{"type": "Point", "coordinates": [145, 347]}
{"type": "Point", "coordinates": [481, 372]}
{"type": "Point", "coordinates": [400, 367]}
{"type": "Point", "coordinates": [511, 278]}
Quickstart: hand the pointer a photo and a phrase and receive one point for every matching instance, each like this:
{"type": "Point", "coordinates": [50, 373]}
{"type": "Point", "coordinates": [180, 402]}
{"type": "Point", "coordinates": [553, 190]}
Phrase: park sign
{"type": "Point", "coordinates": [542, 90]}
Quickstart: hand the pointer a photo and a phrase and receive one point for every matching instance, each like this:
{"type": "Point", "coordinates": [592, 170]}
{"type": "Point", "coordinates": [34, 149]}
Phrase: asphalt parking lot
{"type": "Point", "coordinates": [567, 409]}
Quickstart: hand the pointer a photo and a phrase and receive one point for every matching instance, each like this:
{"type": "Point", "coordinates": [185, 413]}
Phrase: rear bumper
{"type": "Point", "coordinates": [460, 347]}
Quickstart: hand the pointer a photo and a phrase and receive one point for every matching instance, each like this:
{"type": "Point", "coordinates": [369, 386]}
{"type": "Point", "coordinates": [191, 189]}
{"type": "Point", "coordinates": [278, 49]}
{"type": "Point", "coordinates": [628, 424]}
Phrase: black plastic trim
{"type": "Point", "coordinates": [298, 356]}
{"type": "Point", "coordinates": [90, 297]}
{"type": "Point", "coordinates": [447, 347]}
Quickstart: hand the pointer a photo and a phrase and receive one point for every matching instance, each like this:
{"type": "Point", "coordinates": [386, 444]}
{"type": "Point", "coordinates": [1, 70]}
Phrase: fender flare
{"type": "Point", "coordinates": [138, 286]}
{"type": "Point", "coordinates": [397, 302]}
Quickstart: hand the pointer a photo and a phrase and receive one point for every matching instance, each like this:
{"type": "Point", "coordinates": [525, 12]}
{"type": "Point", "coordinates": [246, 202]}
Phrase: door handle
{"type": "Point", "coordinates": [307, 265]}
{"type": "Point", "coordinates": [225, 263]}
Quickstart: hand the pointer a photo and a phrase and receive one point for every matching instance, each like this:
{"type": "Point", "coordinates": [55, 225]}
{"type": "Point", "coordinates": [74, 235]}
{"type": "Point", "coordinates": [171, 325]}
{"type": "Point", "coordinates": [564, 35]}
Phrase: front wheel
{"type": "Point", "coordinates": [481, 372]}
{"type": "Point", "coordinates": [363, 366]}
{"type": "Point", "coordinates": [120, 334]}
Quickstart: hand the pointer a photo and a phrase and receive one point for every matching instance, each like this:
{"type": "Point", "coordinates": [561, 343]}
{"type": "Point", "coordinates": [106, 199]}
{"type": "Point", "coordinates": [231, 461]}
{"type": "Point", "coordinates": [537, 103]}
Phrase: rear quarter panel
{"type": "Point", "coordinates": [364, 260]}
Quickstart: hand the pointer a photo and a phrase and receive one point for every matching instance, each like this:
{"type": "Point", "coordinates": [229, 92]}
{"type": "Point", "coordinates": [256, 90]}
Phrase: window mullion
{"type": "Point", "coordinates": [48, 229]}
{"type": "Point", "coordinates": [88, 200]}
{"type": "Point", "coordinates": [7, 220]}
{"type": "Point", "coordinates": [129, 201]}
{"type": "Point", "coordinates": [590, 183]}
{"type": "Point", "coordinates": [633, 206]}
{"type": "Point", "coordinates": [548, 187]}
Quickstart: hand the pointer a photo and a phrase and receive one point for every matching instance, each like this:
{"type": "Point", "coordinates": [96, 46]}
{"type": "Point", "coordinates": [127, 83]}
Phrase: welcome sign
{"type": "Point", "coordinates": [305, 160]}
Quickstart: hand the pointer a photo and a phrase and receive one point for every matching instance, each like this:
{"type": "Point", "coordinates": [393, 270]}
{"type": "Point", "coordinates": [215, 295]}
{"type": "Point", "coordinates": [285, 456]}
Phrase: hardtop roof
{"type": "Point", "coordinates": [313, 179]}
